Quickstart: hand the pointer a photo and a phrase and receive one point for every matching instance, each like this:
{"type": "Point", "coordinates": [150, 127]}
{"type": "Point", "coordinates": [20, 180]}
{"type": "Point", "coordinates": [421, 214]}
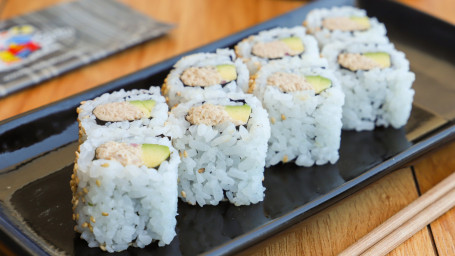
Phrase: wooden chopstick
{"type": "Point", "coordinates": [408, 221]}
{"type": "Point", "coordinates": [414, 225]}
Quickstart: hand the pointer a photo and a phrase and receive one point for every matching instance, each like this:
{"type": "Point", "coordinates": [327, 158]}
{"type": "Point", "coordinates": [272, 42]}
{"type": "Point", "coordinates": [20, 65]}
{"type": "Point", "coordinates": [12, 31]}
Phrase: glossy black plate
{"type": "Point", "coordinates": [37, 151]}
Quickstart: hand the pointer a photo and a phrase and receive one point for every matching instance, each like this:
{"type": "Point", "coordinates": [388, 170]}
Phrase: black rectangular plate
{"type": "Point", "coordinates": [37, 152]}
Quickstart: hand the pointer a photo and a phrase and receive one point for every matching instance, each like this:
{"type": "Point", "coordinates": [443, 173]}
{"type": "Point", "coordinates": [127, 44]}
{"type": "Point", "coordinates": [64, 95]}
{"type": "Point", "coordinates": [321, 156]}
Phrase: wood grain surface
{"type": "Point", "coordinates": [199, 22]}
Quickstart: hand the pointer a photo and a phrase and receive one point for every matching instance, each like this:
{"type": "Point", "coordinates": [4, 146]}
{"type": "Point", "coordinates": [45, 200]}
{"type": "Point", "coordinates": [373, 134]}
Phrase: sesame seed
{"type": "Point", "coordinates": [178, 93]}
{"type": "Point", "coordinates": [92, 219]}
{"type": "Point", "coordinates": [283, 117]}
{"type": "Point", "coordinates": [77, 216]}
{"type": "Point", "coordinates": [102, 247]}
{"type": "Point", "coordinates": [98, 183]}
{"type": "Point", "coordinates": [105, 214]}
{"type": "Point", "coordinates": [85, 190]}
{"type": "Point", "coordinates": [183, 194]}
{"type": "Point", "coordinates": [272, 120]}
{"type": "Point", "coordinates": [91, 229]}
{"type": "Point", "coordinates": [74, 216]}
{"type": "Point", "coordinates": [185, 154]}
{"type": "Point", "coordinates": [105, 165]}
{"type": "Point", "coordinates": [201, 170]}
{"type": "Point", "coordinates": [84, 225]}
{"type": "Point", "coordinates": [285, 158]}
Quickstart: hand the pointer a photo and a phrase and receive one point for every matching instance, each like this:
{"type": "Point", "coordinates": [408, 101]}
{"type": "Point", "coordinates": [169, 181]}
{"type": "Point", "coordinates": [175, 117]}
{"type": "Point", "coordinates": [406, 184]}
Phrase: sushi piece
{"type": "Point", "coordinates": [344, 23]}
{"type": "Point", "coordinates": [376, 81]}
{"type": "Point", "coordinates": [125, 191]}
{"type": "Point", "coordinates": [279, 43]}
{"type": "Point", "coordinates": [203, 75]}
{"type": "Point", "coordinates": [137, 111]}
{"type": "Point", "coordinates": [222, 142]}
{"type": "Point", "coordinates": [304, 101]}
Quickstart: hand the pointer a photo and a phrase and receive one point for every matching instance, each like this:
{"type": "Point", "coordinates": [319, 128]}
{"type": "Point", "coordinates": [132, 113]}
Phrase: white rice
{"type": "Point", "coordinates": [151, 126]}
{"type": "Point", "coordinates": [305, 127]}
{"type": "Point", "coordinates": [232, 158]}
{"type": "Point", "coordinates": [313, 23]}
{"type": "Point", "coordinates": [243, 49]}
{"type": "Point", "coordinates": [378, 97]}
{"type": "Point", "coordinates": [176, 92]}
{"type": "Point", "coordinates": [117, 206]}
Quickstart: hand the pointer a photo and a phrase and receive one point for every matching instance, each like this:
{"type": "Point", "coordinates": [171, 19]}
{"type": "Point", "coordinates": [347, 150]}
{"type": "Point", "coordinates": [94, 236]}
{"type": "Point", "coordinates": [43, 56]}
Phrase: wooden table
{"type": "Point", "coordinates": [202, 21]}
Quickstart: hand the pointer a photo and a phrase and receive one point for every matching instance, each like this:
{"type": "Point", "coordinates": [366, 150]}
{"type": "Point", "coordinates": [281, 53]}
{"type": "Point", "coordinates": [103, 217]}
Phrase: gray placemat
{"type": "Point", "coordinates": [44, 44]}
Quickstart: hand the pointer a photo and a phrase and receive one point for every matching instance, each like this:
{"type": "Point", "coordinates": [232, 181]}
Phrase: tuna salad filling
{"type": "Point", "coordinates": [366, 61]}
{"type": "Point", "coordinates": [124, 111]}
{"type": "Point", "coordinates": [124, 153]}
{"type": "Point", "coordinates": [212, 115]}
{"type": "Point", "coordinates": [353, 23]}
{"type": "Point", "coordinates": [290, 46]}
{"type": "Point", "coordinates": [288, 82]}
{"type": "Point", "coordinates": [208, 76]}
{"type": "Point", "coordinates": [150, 155]}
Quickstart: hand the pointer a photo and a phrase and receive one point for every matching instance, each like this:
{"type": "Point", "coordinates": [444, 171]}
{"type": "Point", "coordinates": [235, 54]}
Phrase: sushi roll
{"type": "Point", "coordinates": [125, 191]}
{"type": "Point", "coordinates": [137, 111]}
{"type": "Point", "coordinates": [344, 23]}
{"type": "Point", "coordinates": [376, 81]}
{"type": "Point", "coordinates": [274, 44]}
{"type": "Point", "coordinates": [304, 101]}
{"type": "Point", "coordinates": [203, 75]}
{"type": "Point", "coordinates": [222, 142]}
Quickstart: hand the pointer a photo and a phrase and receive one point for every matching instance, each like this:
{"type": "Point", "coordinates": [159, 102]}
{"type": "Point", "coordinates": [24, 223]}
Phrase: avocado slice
{"type": "Point", "coordinates": [363, 21]}
{"type": "Point", "coordinates": [154, 154]}
{"type": "Point", "coordinates": [239, 112]}
{"type": "Point", "coordinates": [319, 83]}
{"type": "Point", "coordinates": [295, 43]}
{"type": "Point", "coordinates": [227, 72]}
{"type": "Point", "coordinates": [382, 58]}
{"type": "Point", "coordinates": [145, 105]}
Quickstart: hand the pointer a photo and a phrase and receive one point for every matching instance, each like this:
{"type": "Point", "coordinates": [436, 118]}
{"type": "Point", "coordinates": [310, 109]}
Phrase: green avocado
{"type": "Point", "coordinates": [227, 72]}
{"type": "Point", "coordinates": [382, 58]}
{"type": "Point", "coordinates": [295, 43]}
{"type": "Point", "coordinates": [363, 21]}
{"type": "Point", "coordinates": [319, 83]}
{"type": "Point", "coordinates": [153, 154]}
{"type": "Point", "coordinates": [145, 105]}
{"type": "Point", "coordinates": [239, 112]}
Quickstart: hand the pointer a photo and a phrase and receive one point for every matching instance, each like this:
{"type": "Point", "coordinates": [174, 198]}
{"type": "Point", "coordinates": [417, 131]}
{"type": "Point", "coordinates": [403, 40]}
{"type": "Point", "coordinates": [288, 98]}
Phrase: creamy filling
{"type": "Point", "coordinates": [273, 50]}
{"type": "Point", "coordinates": [201, 76]}
{"type": "Point", "coordinates": [288, 82]}
{"type": "Point", "coordinates": [118, 111]}
{"type": "Point", "coordinates": [344, 24]}
{"type": "Point", "coordinates": [210, 115]}
{"type": "Point", "coordinates": [124, 153]}
{"type": "Point", "coordinates": [356, 61]}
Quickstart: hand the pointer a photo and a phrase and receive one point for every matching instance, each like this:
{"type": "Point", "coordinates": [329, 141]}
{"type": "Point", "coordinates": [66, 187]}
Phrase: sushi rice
{"type": "Point", "coordinates": [88, 125]}
{"type": "Point", "coordinates": [176, 92]}
{"type": "Point", "coordinates": [116, 206]}
{"type": "Point", "coordinates": [376, 97]}
{"type": "Point", "coordinates": [314, 24]}
{"type": "Point", "coordinates": [244, 48]}
{"type": "Point", "coordinates": [221, 162]}
{"type": "Point", "coordinates": [306, 127]}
